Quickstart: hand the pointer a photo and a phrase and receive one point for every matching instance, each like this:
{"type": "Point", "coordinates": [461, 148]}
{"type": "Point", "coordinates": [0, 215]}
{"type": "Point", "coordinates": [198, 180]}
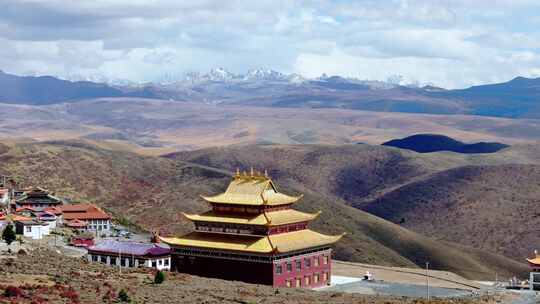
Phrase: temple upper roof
{"type": "Point", "coordinates": [276, 243]}
{"type": "Point", "coordinates": [252, 189]}
{"type": "Point", "coordinates": [274, 218]}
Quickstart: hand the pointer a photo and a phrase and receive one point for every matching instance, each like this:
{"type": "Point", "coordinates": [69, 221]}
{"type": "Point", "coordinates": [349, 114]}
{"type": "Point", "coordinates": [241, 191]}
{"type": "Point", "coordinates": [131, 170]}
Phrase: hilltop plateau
{"type": "Point", "coordinates": [151, 192]}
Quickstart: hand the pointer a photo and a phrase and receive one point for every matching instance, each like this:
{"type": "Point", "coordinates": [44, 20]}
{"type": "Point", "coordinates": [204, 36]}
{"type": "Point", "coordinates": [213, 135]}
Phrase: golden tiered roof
{"type": "Point", "coordinates": [252, 189]}
{"type": "Point", "coordinates": [274, 218]}
{"type": "Point", "coordinates": [276, 243]}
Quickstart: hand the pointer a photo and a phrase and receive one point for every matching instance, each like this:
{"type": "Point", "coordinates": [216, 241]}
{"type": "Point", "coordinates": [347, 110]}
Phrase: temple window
{"type": "Point", "coordinates": [316, 278]}
{"type": "Point", "coordinates": [307, 262]}
{"type": "Point", "coordinates": [299, 265]}
{"type": "Point", "coordinates": [325, 259]}
{"type": "Point", "coordinates": [289, 266]}
{"type": "Point", "coordinates": [325, 277]}
{"type": "Point", "coordinates": [298, 282]}
{"type": "Point", "coordinates": [306, 281]}
{"type": "Point", "coordinates": [279, 269]}
{"type": "Point", "coordinates": [316, 261]}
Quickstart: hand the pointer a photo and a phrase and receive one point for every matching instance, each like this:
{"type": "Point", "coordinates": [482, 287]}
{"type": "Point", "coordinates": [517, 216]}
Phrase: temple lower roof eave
{"type": "Point", "coordinates": [278, 243]}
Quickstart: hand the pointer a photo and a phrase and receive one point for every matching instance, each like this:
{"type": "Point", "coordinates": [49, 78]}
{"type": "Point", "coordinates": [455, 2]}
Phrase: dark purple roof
{"type": "Point", "coordinates": [129, 248]}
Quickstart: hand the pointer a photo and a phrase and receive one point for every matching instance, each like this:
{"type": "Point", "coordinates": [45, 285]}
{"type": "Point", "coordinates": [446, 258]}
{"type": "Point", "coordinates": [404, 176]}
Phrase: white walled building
{"type": "Point", "coordinates": [32, 229]}
{"type": "Point", "coordinates": [130, 254]}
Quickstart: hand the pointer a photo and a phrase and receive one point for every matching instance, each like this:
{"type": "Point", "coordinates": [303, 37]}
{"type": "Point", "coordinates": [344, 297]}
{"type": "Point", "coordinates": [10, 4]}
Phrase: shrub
{"type": "Point", "coordinates": [13, 292]}
{"type": "Point", "coordinates": [70, 294]}
{"type": "Point", "coordinates": [123, 296]}
{"type": "Point", "coordinates": [159, 277]}
{"type": "Point", "coordinates": [8, 234]}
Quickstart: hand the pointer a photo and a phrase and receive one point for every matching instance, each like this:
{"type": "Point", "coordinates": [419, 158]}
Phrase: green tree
{"type": "Point", "coordinates": [123, 296]}
{"type": "Point", "coordinates": [159, 277]}
{"type": "Point", "coordinates": [8, 234]}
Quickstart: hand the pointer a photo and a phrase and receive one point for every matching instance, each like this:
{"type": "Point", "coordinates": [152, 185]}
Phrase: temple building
{"type": "Point", "coordinates": [87, 217]}
{"type": "Point", "coordinates": [534, 263]}
{"type": "Point", "coordinates": [251, 234]}
{"type": "Point", "coordinates": [130, 254]}
{"type": "Point", "coordinates": [36, 198]}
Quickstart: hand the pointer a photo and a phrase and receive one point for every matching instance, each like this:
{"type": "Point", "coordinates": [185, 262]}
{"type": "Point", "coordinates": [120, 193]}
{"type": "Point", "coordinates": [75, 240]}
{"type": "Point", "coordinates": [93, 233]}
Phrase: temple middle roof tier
{"type": "Point", "coordinates": [252, 190]}
{"type": "Point", "coordinates": [277, 243]}
{"type": "Point", "coordinates": [274, 218]}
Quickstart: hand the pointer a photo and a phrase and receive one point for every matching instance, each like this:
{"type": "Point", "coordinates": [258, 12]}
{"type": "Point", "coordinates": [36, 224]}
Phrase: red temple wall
{"type": "Point", "coordinates": [228, 269]}
{"type": "Point", "coordinates": [311, 276]}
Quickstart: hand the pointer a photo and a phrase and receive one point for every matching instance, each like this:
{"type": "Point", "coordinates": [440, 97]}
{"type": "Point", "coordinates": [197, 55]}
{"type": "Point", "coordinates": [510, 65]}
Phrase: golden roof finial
{"type": "Point", "coordinates": [251, 171]}
{"type": "Point", "coordinates": [237, 171]}
{"type": "Point", "coordinates": [265, 173]}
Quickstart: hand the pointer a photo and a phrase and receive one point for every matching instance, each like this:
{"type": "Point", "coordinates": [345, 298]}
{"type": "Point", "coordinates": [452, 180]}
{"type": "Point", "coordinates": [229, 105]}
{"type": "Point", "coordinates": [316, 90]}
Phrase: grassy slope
{"type": "Point", "coordinates": [488, 207]}
{"type": "Point", "coordinates": [470, 199]}
{"type": "Point", "coordinates": [152, 191]}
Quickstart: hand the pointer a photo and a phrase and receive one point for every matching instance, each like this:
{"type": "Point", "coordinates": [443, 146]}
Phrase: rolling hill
{"type": "Point", "coordinates": [426, 143]}
{"type": "Point", "coordinates": [463, 198]}
{"type": "Point", "coordinates": [152, 191]}
{"type": "Point", "coordinates": [489, 207]}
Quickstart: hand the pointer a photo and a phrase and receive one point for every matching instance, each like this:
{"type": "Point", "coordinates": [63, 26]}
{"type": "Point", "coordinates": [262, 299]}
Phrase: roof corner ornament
{"type": "Point", "coordinates": [251, 171]}
{"type": "Point", "coordinates": [265, 173]}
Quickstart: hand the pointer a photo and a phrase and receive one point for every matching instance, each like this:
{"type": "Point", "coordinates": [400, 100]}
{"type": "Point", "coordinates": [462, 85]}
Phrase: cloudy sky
{"type": "Point", "coordinates": [447, 43]}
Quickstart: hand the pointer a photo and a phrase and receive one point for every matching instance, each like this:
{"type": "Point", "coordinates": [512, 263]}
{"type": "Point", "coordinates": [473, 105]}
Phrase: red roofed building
{"type": "Point", "coordinates": [54, 210]}
{"type": "Point", "coordinates": [38, 199]}
{"type": "Point", "coordinates": [82, 240]}
{"type": "Point", "coordinates": [76, 224]}
{"type": "Point", "coordinates": [14, 217]}
{"type": "Point", "coordinates": [96, 218]}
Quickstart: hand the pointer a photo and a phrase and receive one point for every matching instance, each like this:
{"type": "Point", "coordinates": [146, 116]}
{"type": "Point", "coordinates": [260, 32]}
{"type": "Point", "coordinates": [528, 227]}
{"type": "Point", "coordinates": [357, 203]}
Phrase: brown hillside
{"type": "Point", "coordinates": [494, 208]}
{"type": "Point", "coordinates": [450, 196]}
{"type": "Point", "coordinates": [151, 192]}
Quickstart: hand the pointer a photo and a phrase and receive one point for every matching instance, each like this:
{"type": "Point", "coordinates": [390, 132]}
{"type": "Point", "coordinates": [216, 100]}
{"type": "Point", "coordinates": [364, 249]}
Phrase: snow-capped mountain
{"type": "Point", "coordinates": [100, 78]}
{"type": "Point", "coordinates": [220, 74]}
{"type": "Point", "coordinates": [264, 74]}
{"type": "Point", "coordinates": [223, 75]}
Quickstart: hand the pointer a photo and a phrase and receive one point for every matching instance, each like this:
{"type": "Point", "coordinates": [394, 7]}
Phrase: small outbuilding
{"type": "Point", "coordinates": [32, 229]}
{"type": "Point", "coordinates": [82, 240]}
{"type": "Point", "coordinates": [130, 254]}
{"type": "Point", "coordinates": [76, 225]}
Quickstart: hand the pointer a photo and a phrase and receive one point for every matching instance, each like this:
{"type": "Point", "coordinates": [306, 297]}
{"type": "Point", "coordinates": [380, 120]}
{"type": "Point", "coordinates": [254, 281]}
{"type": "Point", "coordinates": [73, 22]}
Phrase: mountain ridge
{"type": "Point", "coordinates": [518, 98]}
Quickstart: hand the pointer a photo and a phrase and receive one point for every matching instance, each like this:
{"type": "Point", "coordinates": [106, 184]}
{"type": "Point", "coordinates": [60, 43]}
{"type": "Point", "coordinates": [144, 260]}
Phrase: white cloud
{"type": "Point", "coordinates": [452, 43]}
